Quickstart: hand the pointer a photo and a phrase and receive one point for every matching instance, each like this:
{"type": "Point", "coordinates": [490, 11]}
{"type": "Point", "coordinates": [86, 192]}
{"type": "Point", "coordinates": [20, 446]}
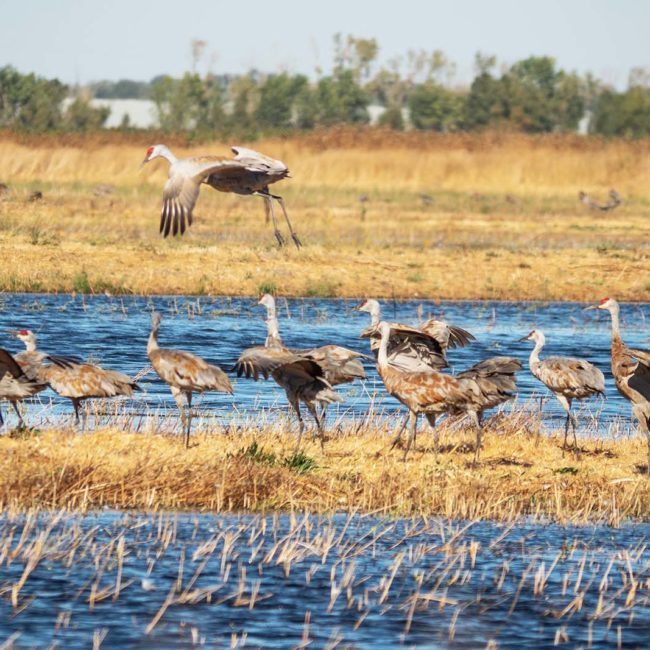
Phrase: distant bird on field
{"type": "Point", "coordinates": [631, 370]}
{"type": "Point", "coordinates": [70, 378]}
{"type": "Point", "coordinates": [566, 378]}
{"type": "Point", "coordinates": [614, 201]}
{"type": "Point", "coordinates": [414, 348]}
{"type": "Point", "coordinates": [15, 385]}
{"type": "Point", "coordinates": [185, 373]}
{"type": "Point", "coordinates": [485, 385]}
{"type": "Point", "coordinates": [248, 173]}
{"type": "Point", "coordinates": [35, 196]}
{"type": "Point", "coordinates": [426, 199]}
{"type": "Point", "coordinates": [4, 189]}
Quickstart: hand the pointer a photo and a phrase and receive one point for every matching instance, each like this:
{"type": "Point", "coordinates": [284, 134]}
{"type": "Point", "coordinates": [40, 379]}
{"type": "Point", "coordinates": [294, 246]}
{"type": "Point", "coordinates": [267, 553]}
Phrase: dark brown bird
{"type": "Point", "coordinates": [185, 373]}
{"type": "Point", "coordinates": [248, 173]}
{"type": "Point", "coordinates": [631, 370]}
{"type": "Point", "coordinates": [15, 385]}
{"type": "Point", "coordinates": [483, 386]}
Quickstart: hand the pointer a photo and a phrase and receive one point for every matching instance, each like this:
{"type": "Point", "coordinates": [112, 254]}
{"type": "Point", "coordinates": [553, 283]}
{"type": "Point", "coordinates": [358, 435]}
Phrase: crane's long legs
{"type": "Point", "coordinates": [188, 394]}
{"type": "Point", "coordinates": [431, 419]}
{"type": "Point", "coordinates": [20, 417]}
{"type": "Point", "coordinates": [312, 409]}
{"type": "Point", "coordinates": [280, 200]}
{"type": "Point", "coordinates": [269, 202]}
{"type": "Point", "coordinates": [476, 419]}
{"type": "Point", "coordinates": [295, 403]}
{"type": "Point", "coordinates": [413, 419]}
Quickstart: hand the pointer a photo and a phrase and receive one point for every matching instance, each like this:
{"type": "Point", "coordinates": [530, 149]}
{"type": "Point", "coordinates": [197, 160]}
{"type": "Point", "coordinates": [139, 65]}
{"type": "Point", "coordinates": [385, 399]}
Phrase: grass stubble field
{"type": "Point", "coordinates": [503, 222]}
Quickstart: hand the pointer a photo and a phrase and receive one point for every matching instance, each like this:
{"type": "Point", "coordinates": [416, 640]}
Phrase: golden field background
{"type": "Point", "coordinates": [504, 220]}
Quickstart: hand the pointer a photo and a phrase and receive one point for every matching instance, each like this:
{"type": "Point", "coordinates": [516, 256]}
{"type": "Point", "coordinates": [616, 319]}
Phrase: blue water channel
{"type": "Point", "coordinates": [181, 580]}
{"type": "Point", "coordinates": [113, 331]}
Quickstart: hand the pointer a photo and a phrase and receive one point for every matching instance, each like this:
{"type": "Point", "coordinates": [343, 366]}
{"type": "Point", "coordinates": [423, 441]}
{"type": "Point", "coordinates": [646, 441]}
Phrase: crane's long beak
{"type": "Point", "coordinates": [523, 338]}
{"type": "Point", "coordinates": [590, 307]}
{"type": "Point", "coordinates": [142, 164]}
{"type": "Point", "coordinates": [12, 332]}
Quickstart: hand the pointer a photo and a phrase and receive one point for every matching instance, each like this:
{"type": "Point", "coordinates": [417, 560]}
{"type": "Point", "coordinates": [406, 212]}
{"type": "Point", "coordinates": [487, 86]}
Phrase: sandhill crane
{"type": "Point", "coordinates": [70, 379]}
{"type": "Point", "coordinates": [248, 173]}
{"type": "Point", "coordinates": [15, 385]}
{"type": "Point", "coordinates": [307, 376]}
{"type": "Point", "coordinates": [485, 385]}
{"type": "Point", "coordinates": [411, 348]}
{"type": "Point", "coordinates": [567, 378]}
{"type": "Point", "coordinates": [613, 202]}
{"type": "Point", "coordinates": [631, 370]}
{"type": "Point", "coordinates": [185, 373]}
{"type": "Point", "coordinates": [340, 365]}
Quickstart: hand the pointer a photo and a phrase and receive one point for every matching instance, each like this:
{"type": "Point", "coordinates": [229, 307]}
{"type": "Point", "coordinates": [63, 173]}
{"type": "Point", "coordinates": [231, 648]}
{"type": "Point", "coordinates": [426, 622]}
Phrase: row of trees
{"type": "Point", "coordinates": [418, 91]}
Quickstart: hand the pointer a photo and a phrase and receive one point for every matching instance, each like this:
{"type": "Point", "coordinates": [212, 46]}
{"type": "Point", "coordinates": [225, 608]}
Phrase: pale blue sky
{"type": "Point", "coordinates": [78, 40]}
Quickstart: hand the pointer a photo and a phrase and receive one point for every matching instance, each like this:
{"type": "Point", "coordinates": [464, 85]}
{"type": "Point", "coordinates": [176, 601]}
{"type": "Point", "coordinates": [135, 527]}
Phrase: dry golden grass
{"type": "Point", "coordinates": [504, 222]}
{"type": "Point", "coordinates": [520, 473]}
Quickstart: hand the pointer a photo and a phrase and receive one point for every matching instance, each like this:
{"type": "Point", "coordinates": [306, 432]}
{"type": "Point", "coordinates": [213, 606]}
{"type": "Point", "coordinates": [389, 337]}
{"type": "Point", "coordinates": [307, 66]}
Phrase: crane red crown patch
{"type": "Point", "coordinates": [603, 301]}
{"type": "Point", "coordinates": [23, 332]}
{"type": "Point", "coordinates": [149, 151]}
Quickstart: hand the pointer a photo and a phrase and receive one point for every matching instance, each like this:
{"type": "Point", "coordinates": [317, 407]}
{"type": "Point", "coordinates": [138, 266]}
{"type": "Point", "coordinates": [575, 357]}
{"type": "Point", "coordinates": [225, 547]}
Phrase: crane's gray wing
{"type": "Point", "coordinates": [181, 190]}
{"type": "Point", "coordinates": [263, 361]}
{"type": "Point", "coordinates": [255, 161]}
{"type": "Point", "coordinates": [9, 365]}
{"type": "Point", "coordinates": [639, 380]}
{"type": "Point", "coordinates": [179, 198]}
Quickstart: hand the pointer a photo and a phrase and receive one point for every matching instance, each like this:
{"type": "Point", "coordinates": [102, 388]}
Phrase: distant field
{"type": "Point", "coordinates": [501, 219]}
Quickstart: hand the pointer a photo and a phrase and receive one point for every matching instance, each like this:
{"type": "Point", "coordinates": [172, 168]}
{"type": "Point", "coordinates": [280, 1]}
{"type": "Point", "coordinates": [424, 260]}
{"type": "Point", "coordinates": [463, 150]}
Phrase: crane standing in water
{"type": "Point", "coordinates": [248, 173]}
{"type": "Point", "coordinates": [567, 378]}
{"type": "Point", "coordinates": [70, 378]}
{"type": "Point", "coordinates": [185, 373]}
{"type": "Point", "coordinates": [485, 385]}
{"type": "Point", "coordinates": [631, 370]}
{"type": "Point", "coordinates": [15, 385]}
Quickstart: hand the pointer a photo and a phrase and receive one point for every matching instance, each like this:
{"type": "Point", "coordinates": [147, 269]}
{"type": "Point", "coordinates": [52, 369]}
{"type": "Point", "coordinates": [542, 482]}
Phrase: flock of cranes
{"type": "Point", "coordinates": [411, 362]}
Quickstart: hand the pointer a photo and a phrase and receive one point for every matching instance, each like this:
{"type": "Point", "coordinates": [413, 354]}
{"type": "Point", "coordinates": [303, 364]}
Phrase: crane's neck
{"type": "Point", "coordinates": [534, 360]}
{"type": "Point", "coordinates": [616, 331]}
{"type": "Point", "coordinates": [152, 343]}
{"type": "Point", "coordinates": [273, 337]}
{"type": "Point", "coordinates": [382, 354]}
{"type": "Point", "coordinates": [30, 344]}
{"type": "Point", "coordinates": [375, 313]}
{"type": "Point", "coordinates": [165, 153]}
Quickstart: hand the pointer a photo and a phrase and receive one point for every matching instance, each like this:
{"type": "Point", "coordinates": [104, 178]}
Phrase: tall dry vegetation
{"type": "Point", "coordinates": [363, 160]}
{"type": "Point", "coordinates": [521, 473]}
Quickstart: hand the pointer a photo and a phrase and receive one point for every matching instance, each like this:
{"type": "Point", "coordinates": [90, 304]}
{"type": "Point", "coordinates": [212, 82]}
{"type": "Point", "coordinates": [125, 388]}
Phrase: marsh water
{"type": "Point", "coordinates": [113, 331]}
{"type": "Point", "coordinates": [134, 580]}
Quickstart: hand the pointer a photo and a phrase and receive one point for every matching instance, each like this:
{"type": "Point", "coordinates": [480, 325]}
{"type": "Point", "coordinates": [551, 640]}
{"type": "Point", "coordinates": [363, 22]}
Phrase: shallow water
{"type": "Point", "coordinates": [114, 332]}
{"type": "Point", "coordinates": [274, 582]}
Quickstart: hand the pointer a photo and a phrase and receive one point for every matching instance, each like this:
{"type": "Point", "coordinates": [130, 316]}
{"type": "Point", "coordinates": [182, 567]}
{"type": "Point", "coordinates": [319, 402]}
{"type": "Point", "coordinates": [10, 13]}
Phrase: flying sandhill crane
{"type": "Point", "coordinates": [485, 385]}
{"type": "Point", "coordinates": [248, 173]}
{"type": "Point", "coordinates": [613, 202]}
{"type": "Point", "coordinates": [415, 349]}
{"type": "Point", "coordinates": [566, 378]}
{"type": "Point", "coordinates": [631, 370]}
{"type": "Point", "coordinates": [70, 379]}
{"type": "Point", "coordinates": [15, 385]}
{"type": "Point", "coordinates": [185, 373]}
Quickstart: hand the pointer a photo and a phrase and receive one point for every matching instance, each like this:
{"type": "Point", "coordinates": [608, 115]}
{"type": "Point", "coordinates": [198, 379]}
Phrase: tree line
{"type": "Point", "coordinates": [415, 91]}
